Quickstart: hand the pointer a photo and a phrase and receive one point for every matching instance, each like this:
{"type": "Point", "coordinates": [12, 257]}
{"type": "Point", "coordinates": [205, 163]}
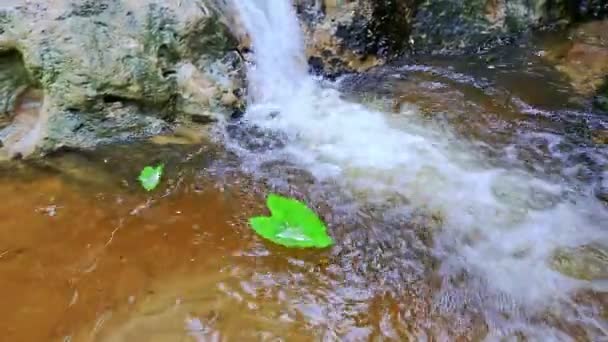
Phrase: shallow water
{"type": "Point", "coordinates": [461, 194]}
{"type": "Point", "coordinates": [86, 254]}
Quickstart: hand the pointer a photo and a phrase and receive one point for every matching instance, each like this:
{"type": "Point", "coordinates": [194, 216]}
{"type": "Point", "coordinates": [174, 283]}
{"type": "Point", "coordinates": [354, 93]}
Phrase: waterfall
{"type": "Point", "coordinates": [280, 69]}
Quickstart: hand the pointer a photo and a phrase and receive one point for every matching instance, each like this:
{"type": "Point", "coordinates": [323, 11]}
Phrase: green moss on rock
{"type": "Point", "coordinates": [109, 68]}
{"type": "Point", "coordinates": [470, 26]}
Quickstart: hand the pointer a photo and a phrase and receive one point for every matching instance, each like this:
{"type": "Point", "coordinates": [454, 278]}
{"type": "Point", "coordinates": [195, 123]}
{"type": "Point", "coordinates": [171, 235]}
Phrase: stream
{"type": "Point", "coordinates": [464, 196]}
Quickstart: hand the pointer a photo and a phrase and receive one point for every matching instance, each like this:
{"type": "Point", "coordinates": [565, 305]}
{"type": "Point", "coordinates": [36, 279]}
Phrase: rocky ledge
{"type": "Point", "coordinates": [355, 35]}
{"type": "Point", "coordinates": [79, 73]}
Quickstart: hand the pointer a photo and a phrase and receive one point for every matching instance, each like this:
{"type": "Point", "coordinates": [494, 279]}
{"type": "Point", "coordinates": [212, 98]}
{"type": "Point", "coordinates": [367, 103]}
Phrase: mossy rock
{"type": "Point", "coordinates": [109, 69]}
{"type": "Point", "coordinates": [471, 26]}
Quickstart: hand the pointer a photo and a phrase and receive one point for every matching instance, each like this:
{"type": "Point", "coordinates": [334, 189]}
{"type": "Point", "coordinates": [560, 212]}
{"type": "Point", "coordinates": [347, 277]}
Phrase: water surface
{"type": "Point", "coordinates": [462, 196]}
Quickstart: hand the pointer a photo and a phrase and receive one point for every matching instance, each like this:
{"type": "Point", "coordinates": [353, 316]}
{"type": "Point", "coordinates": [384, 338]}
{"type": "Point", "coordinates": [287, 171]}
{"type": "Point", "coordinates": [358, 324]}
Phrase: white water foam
{"type": "Point", "coordinates": [501, 225]}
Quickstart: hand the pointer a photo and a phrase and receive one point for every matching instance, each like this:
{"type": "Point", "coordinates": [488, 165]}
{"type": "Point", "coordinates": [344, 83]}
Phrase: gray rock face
{"type": "Point", "coordinates": [590, 9]}
{"type": "Point", "coordinates": [355, 35]}
{"type": "Point", "coordinates": [469, 26]}
{"type": "Point", "coordinates": [112, 70]}
{"type": "Point", "coordinates": [455, 26]}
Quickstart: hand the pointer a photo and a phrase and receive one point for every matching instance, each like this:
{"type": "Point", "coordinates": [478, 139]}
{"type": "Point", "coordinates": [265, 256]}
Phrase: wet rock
{"type": "Point", "coordinates": [13, 79]}
{"type": "Point", "coordinates": [601, 189]}
{"type": "Point", "coordinates": [229, 99]}
{"type": "Point", "coordinates": [113, 70]}
{"type": "Point", "coordinates": [20, 129]}
{"type": "Point", "coordinates": [585, 263]}
{"type": "Point", "coordinates": [583, 58]}
{"type": "Point", "coordinates": [355, 35]}
{"type": "Point", "coordinates": [182, 135]}
{"type": "Point", "coordinates": [468, 26]}
{"type": "Point", "coordinates": [590, 9]}
{"type": "Point", "coordinates": [600, 137]}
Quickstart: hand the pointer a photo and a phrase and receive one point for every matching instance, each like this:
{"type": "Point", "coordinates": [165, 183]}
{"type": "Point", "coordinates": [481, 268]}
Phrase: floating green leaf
{"type": "Point", "coordinates": [150, 177]}
{"type": "Point", "coordinates": [291, 224]}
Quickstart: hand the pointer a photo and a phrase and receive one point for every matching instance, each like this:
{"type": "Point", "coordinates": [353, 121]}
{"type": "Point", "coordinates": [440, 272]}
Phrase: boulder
{"type": "Point", "coordinates": [470, 26]}
{"type": "Point", "coordinates": [113, 70]}
{"type": "Point", "coordinates": [355, 35]}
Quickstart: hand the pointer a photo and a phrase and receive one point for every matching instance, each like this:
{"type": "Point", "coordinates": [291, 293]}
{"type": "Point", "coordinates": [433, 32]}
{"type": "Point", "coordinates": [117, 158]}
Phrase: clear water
{"type": "Point", "coordinates": [496, 228]}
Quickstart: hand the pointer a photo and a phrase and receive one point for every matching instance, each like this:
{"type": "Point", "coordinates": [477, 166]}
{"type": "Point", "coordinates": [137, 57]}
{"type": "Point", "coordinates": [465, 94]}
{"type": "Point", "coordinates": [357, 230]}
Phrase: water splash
{"type": "Point", "coordinates": [502, 225]}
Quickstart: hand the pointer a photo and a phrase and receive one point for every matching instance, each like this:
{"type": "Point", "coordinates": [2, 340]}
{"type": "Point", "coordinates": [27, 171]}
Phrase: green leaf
{"type": "Point", "coordinates": [291, 224]}
{"type": "Point", "coordinates": [150, 177]}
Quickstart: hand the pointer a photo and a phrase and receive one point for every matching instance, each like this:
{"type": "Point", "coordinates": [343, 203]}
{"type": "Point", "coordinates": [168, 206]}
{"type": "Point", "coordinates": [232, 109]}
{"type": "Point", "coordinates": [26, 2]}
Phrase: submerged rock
{"type": "Point", "coordinates": [585, 263]}
{"type": "Point", "coordinates": [583, 57]}
{"type": "Point", "coordinates": [112, 70]}
{"type": "Point", "coordinates": [358, 34]}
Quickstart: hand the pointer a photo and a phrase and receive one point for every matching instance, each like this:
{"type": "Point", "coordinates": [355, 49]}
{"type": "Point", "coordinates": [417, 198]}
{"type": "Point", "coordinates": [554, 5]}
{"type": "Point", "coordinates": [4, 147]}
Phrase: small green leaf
{"type": "Point", "coordinates": [150, 177]}
{"type": "Point", "coordinates": [291, 224]}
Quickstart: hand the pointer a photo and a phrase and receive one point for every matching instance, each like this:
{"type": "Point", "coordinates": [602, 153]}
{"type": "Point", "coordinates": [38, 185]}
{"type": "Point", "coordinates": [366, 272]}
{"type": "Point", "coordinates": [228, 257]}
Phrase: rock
{"type": "Point", "coordinates": [355, 35]}
{"type": "Point", "coordinates": [22, 130]}
{"type": "Point", "coordinates": [359, 34]}
{"type": "Point", "coordinates": [229, 99]}
{"type": "Point", "coordinates": [13, 79]}
{"type": "Point", "coordinates": [113, 70]}
{"type": "Point", "coordinates": [585, 262]}
{"type": "Point", "coordinates": [468, 26]}
{"type": "Point", "coordinates": [600, 137]}
{"type": "Point", "coordinates": [583, 58]}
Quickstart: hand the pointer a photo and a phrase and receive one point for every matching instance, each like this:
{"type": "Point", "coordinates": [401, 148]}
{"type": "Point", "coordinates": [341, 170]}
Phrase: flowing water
{"type": "Point", "coordinates": [498, 226]}
{"type": "Point", "coordinates": [462, 197]}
